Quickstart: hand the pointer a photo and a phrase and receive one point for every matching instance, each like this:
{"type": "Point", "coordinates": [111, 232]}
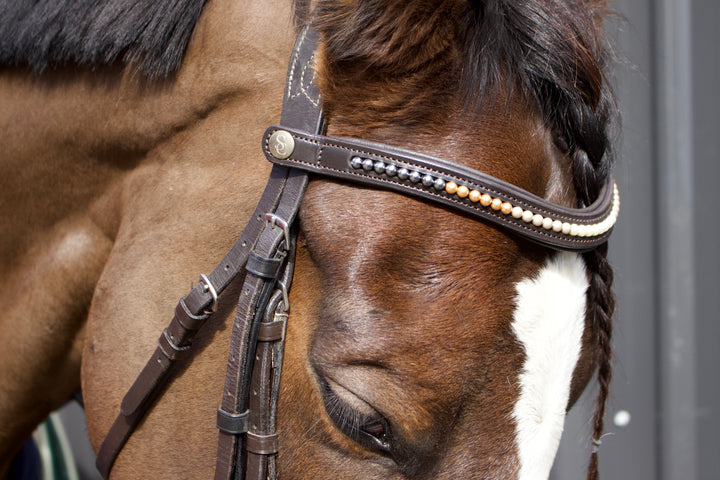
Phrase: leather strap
{"type": "Point", "coordinates": [249, 362]}
{"type": "Point", "coordinates": [194, 309]}
{"type": "Point", "coordinates": [429, 178]}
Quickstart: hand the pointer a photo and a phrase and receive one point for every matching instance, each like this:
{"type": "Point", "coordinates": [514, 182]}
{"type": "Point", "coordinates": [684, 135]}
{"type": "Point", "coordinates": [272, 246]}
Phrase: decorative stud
{"type": "Point", "coordinates": [403, 173]}
{"type": "Point", "coordinates": [428, 180]}
{"type": "Point", "coordinates": [390, 170]}
{"type": "Point", "coordinates": [379, 167]}
{"type": "Point", "coordinates": [415, 176]}
{"type": "Point", "coordinates": [439, 184]}
{"type": "Point", "coordinates": [281, 144]}
{"type": "Point", "coordinates": [368, 165]}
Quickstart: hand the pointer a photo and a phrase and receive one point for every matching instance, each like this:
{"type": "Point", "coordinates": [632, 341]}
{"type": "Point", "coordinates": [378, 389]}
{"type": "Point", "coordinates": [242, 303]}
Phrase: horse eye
{"type": "Point", "coordinates": [378, 433]}
{"type": "Point", "coordinates": [371, 430]}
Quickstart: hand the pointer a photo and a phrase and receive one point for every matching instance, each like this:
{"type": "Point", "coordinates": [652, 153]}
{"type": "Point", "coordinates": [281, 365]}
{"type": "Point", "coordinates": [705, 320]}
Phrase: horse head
{"type": "Point", "coordinates": [429, 343]}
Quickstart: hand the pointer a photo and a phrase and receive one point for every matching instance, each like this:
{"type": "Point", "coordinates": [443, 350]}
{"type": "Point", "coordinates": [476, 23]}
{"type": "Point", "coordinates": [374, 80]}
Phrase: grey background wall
{"type": "Point", "coordinates": [665, 251]}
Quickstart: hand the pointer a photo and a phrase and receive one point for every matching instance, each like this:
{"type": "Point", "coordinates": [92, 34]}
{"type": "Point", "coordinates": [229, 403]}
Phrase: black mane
{"type": "Point", "coordinates": [150, 34]}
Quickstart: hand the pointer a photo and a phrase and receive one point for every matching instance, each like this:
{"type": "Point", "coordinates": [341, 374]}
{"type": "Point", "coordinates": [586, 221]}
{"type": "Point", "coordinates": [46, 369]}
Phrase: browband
{"type": "Point", "coordinates": [448, 183]}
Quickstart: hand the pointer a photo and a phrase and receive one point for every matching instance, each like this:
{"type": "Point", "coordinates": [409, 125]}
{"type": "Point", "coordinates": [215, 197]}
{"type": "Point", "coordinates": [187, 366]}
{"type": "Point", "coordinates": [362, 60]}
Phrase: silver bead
{"type": "Point", "coordinates": [390, 170]}
{"type": "Point", "coordinates": [379, 167]}
{"type": "Point", "coordinates": [368, 164]}
{"type": "Point", "coordinates": [403, 173]}
{"type": "Point", "coordinates": [415, 176]}
{"type": "Point", "coordinates": [428, 180]}
{"type": "Point", "coordinates": [439, 184]}
{"type": "Point", "coordinates": [356, 162]}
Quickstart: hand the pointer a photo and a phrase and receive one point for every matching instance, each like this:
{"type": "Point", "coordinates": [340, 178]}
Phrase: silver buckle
{"type": "Point", "coordinates": [208, 287]}
{"type": "Point", "coordinates": [273, 220]}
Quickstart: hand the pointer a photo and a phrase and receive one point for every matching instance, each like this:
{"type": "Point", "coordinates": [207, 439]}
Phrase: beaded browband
{"type": "Point", "coordinates": [450, 184]}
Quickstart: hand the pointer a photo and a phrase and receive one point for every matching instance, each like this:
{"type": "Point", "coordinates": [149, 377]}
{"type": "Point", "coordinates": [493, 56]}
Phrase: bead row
{"type": "Point", "coordinates": [497, 204]}
{"type": "Point", "coordinates": [402, 173]}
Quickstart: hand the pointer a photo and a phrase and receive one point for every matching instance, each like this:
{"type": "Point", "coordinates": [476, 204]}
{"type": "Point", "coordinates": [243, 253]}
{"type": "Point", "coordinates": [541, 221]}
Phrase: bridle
{"type": "Point", "coordinates": [246, 419]}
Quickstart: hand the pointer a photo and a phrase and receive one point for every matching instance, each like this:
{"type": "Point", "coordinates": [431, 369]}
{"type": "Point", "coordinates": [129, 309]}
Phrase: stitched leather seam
{"type": "Point", "coordinates": [509, 197]}
{"type": "Point", "coordinates": [523, 225]}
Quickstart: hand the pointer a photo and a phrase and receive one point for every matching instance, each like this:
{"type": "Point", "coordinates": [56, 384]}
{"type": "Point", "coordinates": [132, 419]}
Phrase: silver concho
{"type": "Point", "coordinates": [281, 144]}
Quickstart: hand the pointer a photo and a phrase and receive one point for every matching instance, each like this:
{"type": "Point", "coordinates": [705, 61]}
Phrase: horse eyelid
{"type": "Point", "coordinates": [354, 424]}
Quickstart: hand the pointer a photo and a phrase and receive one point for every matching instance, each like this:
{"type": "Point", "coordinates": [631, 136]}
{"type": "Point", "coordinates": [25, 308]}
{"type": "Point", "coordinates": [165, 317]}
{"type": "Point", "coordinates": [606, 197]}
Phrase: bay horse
{"type": "Point", "coordinates": [421, 343]}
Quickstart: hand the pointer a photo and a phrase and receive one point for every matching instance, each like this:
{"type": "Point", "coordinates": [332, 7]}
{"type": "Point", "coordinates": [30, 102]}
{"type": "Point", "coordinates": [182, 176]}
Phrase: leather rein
{"type": "Point", "coordinates": [246, 418]}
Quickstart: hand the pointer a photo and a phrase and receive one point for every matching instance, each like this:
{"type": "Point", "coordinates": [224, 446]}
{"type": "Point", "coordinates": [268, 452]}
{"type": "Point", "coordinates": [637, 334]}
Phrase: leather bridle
{"type": "Point", "coordinates": [248, 441]}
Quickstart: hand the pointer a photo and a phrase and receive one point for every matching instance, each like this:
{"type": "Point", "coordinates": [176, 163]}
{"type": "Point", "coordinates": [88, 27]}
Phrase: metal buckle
{"type": "Point", "coordinates": [208, 287]}
{"type": "Point", "coordinates": [273, 220]}
{"type": "Point", "coordinates": [286, 299]}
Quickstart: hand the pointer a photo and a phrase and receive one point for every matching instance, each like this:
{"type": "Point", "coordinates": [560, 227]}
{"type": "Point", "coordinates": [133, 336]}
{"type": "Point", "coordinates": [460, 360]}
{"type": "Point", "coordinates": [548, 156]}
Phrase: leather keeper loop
{"type": "Point", "coordinates": [233, 423]}
{"type": "Point", "coordinates": [168, 347]}
{"type": "Point", "coordinates": [263, 267]}
{"type": "Point", "coordinates": [261, 444]}
{"type": "Point", "coordinates": [271, 332]}
{"type": "Point", "coordinates": [187, 319]}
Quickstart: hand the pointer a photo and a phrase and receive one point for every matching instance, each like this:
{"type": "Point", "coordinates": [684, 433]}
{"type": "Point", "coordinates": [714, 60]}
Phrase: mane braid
{"type": "Point", "coordinates": [151, 35]}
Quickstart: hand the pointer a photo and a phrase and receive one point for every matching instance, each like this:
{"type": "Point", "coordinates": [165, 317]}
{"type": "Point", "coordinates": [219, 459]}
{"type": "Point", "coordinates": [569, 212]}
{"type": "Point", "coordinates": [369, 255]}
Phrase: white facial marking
{"type": "Point", "coordinates": [549, 323]}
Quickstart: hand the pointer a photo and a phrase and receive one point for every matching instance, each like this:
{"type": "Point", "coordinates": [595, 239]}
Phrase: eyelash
{"type": "Point", "coordinates": [367, 430]}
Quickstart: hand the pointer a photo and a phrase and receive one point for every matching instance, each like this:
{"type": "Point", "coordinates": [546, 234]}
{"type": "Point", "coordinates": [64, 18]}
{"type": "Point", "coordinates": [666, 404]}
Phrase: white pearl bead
{"type": "Point", "coordinates": [527, 216]}
{"type": "Point", "coordinates": [537, 220]}
{"type": "Point", "coordinates": [517, 212]}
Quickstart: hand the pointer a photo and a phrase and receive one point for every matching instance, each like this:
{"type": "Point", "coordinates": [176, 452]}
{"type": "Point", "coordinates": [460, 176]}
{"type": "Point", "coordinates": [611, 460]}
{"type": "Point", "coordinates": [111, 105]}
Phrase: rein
{"type": "Point", "coordinates": [246, 418]}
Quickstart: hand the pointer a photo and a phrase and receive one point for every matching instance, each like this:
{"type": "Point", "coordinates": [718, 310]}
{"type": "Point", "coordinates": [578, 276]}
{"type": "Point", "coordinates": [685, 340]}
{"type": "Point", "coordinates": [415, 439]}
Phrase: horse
{"type": "Point", "coordinates": [421, 342]}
